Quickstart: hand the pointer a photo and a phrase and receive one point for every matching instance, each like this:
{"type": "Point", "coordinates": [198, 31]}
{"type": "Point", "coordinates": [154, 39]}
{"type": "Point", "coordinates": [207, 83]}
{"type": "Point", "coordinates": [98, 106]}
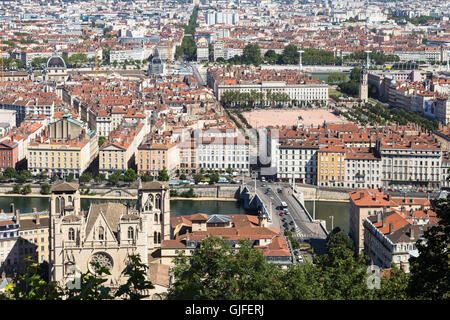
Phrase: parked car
{"type": "Point", "coordinates": [281, 214]}
{"type": "Point", "coordinates": [279, 190]}
{"type": "Point", "coordinates": [291, 223]}
{"type": "Point", "coordinates": [296, 252]}
{"type": "Point", "coordinates": [264, 185]}
{"type": "Point", "coordinates": [300, 259]}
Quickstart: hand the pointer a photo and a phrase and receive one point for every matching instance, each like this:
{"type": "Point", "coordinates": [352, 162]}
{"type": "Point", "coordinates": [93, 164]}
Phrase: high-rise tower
{"type": "Point", "coordinates": [363, 86]}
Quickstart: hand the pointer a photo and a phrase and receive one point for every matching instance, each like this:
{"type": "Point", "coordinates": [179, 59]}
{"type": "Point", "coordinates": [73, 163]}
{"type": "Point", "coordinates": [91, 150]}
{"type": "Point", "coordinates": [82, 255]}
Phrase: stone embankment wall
{"type": "Point", "coordinates": [312, 192]}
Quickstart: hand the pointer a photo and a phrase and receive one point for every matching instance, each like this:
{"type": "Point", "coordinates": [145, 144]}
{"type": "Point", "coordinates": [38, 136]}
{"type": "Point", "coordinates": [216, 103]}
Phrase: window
{"type": "Point", "coordinates": [101, 233]}
{"type": "Point", "coordinates": [130, 233]}
{"type": "Point", "coordinates": [71, 234]}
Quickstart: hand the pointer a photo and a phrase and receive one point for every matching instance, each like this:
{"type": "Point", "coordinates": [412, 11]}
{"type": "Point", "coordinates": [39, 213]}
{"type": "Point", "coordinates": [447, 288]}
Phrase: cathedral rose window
{"type": "Point", "coordinates": [101, 259]}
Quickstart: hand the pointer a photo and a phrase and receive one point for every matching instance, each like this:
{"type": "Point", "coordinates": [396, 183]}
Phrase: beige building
{"type": "Point", "coordinates": [153, 157]}
{"type": "Point", "coordinates": [363, 204]}
{"type": "Point", "coordinates": [66, 147]}
{"type": "Point", "coordinates": [34, 237]}
{"type": "Point", "coordinates": [108, 233]}
{"type": "Point", "coordinates": [119, 152]}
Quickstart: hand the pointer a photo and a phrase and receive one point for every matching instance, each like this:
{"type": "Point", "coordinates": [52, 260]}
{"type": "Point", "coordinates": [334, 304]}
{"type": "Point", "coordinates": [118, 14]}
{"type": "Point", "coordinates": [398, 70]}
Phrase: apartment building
{"type": "Point", "coordinates": [442, 106]}
{"type": "Point", "coordinates": [363, 204]}
{"type": "Point", "coordinates": [153, 157]}
{"type": "Point", "coordinates": [298, 161]}
{"type": "Point", "coordinates": [66, 147]}
{"type": "Point", "coordinates": [34, 237]}
{"type": "Point", "coordinates": [331, 166]}
{"type": "Point", "coordinates": [9, 250]}
{"type": "Point", "coordinates": [246, 79]}
{"type": "Point", "coordinates": [9, 154]}
{"type": "Point", "coordinates": [221, 153]}
{"type": "Point", "coordinates": [363, 169]}
{"type": "Point", "coordinates": [188, 152]}
{"type": "Point", "coordinates": [410, 162]}
{"type": "Point", "coordinates": [391, 238]}
{"type": "Point", "coordinates": [120, 151]}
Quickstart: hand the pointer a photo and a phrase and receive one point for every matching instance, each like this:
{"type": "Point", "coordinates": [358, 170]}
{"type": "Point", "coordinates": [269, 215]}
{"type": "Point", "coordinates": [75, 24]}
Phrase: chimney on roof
{"type": "Point", "coordinates": [411, 233]}
{"type": "Point", "coordinates": [391, 228]}
{"type": "Point", "coordinates": [383, 220]}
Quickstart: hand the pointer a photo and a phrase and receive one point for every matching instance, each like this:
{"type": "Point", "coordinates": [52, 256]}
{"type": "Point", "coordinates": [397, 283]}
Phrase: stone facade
{"type": "Point", "coordinates": [108, 233]}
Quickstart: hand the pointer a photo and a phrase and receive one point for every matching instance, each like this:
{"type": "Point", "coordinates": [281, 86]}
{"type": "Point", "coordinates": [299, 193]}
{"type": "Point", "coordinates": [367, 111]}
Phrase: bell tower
{"type": "Point", "coordinates": [363, 86]}
{"type": "Point", "coordinates": [154, 200]}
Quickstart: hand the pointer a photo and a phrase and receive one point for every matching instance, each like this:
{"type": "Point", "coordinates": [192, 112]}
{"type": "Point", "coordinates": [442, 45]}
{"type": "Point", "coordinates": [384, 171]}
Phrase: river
{"type": "Point", "coordinates": [177, 207]}
{"type": "Point", "coordinates": [324, 209]}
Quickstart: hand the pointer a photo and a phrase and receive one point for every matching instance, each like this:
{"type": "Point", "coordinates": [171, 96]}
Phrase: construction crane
{"type": "Point", "coordinates": [169, 52]}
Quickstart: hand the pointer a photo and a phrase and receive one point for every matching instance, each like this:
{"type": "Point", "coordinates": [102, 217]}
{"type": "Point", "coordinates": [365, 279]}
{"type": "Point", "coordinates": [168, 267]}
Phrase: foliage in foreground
{"type": "Point", "coordinates": [31, 285]}
{"type": "Point", "coordinates": [218, 271]}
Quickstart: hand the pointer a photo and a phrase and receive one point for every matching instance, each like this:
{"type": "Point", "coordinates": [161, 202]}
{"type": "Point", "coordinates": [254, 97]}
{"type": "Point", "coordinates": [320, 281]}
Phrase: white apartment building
{"type": "Point", "coordinates": [409, 164]}
{"type": "Point", "coordinates": [442, 106]}
{"type": "Point", "coordinates": [299, 92]}
{"type": "Point", "coordinates": [297, 160]}
{"type": "Point", "coordinates": [121, 55]}
{"type": "Point", "coordinates": [363, 170]}
{"type": "Point", "coordinates": [395, 245]}
{"type": "Point", "coordinates": [219, 153]}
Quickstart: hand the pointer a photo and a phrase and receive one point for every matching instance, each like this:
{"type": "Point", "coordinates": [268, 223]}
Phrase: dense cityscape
{"type": "Point", "coordinates": [204, 150]}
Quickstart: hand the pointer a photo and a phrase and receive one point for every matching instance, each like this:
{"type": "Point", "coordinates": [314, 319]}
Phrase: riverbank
{"type": "Point", "coordinates": [83, 196]}
{"type": "Point", "coordinates": [204, 199]}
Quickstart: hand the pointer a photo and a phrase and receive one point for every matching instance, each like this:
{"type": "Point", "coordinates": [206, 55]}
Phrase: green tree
{"type": "Point", "coordinates": [137, 283]}
{"type": "Point", "coordinates": [344, 275]}
{"type": "Point", "coordinates": [45, 188]}
{"type": "Point", "coordinates": [290, 55]}
{"type": "Point", "coordinates": [336, 77]}
{"type": "Point", "coordinates": [147, 177]}
{"type": "Point", "coordinates": [24, 175]}
{"type": "Point", "coordinates": [216, 271]}
{"type": "Point", "coordinates": [163, 175]}
{"type": "Point", "coordinates": [99, 178]}
{"type": "Point", "coordinates": [70, 177]}
{"type": "Point", "coordinates": [198, 177]}
{"type": "Point", "coordinates": [26, 189]}
{"type": "Point", "coordinates": [17, 189]}
{"type": "Point", "coordinates": [183, 176]}
{"type": "Point", "coordinates": [114, 178]}
{"type": "Point", "coordinates": [214, 178]}
{"type": "Point", "coordinates": [430, 276]}
{"type": "Point", "coordinates": [101, 141]}
{"type": "Point", "coordinates": [271, 56]}
{"type": "Point", "coordinates": [85, 177]}
{"type": "Point", "coordinates": [43, 175]}
{"type": "Point", "coordinates": [393, 286]}
{"type": "Point", "coordinates": [9, 172]}
{"type": "Point", "coordinates": [130, 175]}
{"type": "Point", "coordinates": [31, 286]}
{"type": "Point", "coordinates": [252, 55]}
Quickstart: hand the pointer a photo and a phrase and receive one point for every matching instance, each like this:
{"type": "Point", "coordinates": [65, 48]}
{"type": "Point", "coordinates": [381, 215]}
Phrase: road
{"type": "Point", "coordinates": [297, 221]}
